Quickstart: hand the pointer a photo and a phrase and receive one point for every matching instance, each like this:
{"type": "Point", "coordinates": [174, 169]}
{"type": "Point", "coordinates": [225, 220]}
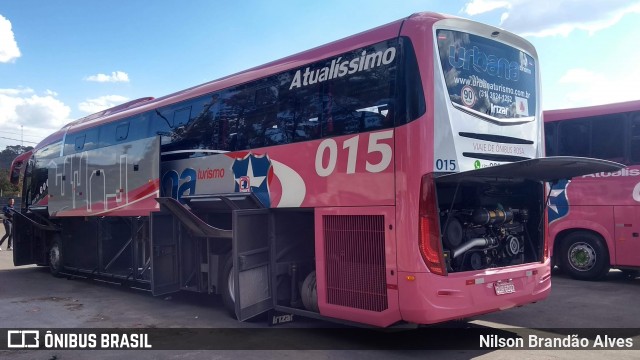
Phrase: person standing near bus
{"type": "Point", "coordinates": [8, 224]}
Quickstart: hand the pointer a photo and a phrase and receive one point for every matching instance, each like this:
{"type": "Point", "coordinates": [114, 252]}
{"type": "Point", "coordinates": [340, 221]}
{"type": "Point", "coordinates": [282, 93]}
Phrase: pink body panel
{"type": "Point", "coordinates": [343, 186]}
{"type": "Point", "coordinates": [561, 114]}
{"type": "Point", "coordinates": [627, 241]}
{"type": "Point", "coordinates": [428, 298]}
{"type": "Point", "coordinates": [607, 204]}
{"type": "Point", "coordinates": [432, 298]}
{"type": "Point", "coordinates": [414, 154]}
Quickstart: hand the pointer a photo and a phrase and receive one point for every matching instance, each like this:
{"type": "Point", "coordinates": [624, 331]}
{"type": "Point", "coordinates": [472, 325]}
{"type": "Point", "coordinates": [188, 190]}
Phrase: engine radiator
{"type": "Point", "coordinates": [355, 261]}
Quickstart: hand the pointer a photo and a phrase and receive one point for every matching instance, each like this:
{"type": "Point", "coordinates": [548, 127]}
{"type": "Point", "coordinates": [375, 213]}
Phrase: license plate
{"type": "Point", "coordinates": [504, 287]}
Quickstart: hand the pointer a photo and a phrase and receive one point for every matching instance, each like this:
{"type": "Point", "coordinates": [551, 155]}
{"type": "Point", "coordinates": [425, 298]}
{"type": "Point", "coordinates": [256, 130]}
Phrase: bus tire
{"type": "Point", "coordinates": [228, 287]}
{"type": "Point", "coordinates": [585, 256]}
{"type": "Point", "coordinates": [55, 257]}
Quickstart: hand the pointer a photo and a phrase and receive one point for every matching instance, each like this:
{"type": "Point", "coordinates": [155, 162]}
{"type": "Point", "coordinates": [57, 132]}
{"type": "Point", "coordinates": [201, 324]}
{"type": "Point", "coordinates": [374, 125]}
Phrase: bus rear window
{"type": "Point", "coordinates": [487, 77]}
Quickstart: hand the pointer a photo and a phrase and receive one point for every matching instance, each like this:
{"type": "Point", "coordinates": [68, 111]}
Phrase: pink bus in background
{"type": "Point", "coordinates": [394, 176]}
{"type": "Point", "coordinates": [595, 219]}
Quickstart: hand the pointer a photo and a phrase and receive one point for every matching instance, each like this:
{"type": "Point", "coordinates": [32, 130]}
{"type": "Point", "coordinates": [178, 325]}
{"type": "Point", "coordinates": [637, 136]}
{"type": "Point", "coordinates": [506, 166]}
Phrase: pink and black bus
{"type": "Point", "coordinates": [394, 176]}
{"type": "Point", "coordinates": [595, 219]}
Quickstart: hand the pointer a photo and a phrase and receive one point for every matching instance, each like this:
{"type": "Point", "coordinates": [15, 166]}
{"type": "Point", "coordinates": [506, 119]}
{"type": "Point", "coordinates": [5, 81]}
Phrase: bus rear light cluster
{"type": "Point", "coordinates": [429, 232]}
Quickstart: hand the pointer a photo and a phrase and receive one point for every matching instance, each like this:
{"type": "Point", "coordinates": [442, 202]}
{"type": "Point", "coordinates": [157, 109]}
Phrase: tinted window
{"type": "Point", "coordinates": [81, 141]}
{"type": "Point", "coordinates": [181, 116]}
{"type": "Point", "coordinates": [634, 153]}
{"type": "Point", "coordinates": [487, 76]}
{"type": "Point", "coordinates": [607, 138]}
{"type": "Point", "coordinates": [345, 94]}
{"type": "Point", "coordinates": [601, 137]}
{"type": "Point", "coordinates": [139, 127]}
{"type": "Point", "coordinates": [550, 139]}
{"type": "Point", "coordinates": [299, 111]}
{"type": "Point", "coordinates": [108, 134]}
{"type": "Point", "coordinates": [122, 131]}
{"type": "Point", "coordinates": [187, 125]}
{"type": "Point", "coordinates": [412, 104]}
{"type": "Point", "coordinates": [91, 139]}
{"type": "Point", "coordinates": [574, 138]}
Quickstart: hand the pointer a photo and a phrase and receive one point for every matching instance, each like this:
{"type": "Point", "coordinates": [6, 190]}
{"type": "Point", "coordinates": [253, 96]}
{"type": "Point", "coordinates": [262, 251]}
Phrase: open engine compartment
{"type": "Point", "coordinates": [490, 223]}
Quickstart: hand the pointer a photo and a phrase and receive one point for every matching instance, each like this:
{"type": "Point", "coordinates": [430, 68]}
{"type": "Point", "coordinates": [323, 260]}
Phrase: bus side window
{"type": "Point", "coordinates": [138, 128]}
{"type": "Point", "coordinates": [28, 179]}
{"type": "Point", "coordinates": [412, 94]}
{"type": "Point", "coordinates": [634, 143]}
{"type": "Point", "coordinates": [107, 135]}
{"type": "Point", "coordinates": [573, 138]}
{"type": "Point", "coordinates": [237, 127]}
{"type": "Point", "coordinates": [550, 136]}
{"type": "Point", "coordinates": [80, 142]}
{"type": "Point", "coordinates": [122, 131]}
{"type": "Point", "coordinates": [181, 116]}
{"type": "Point", "coordinates": [301, 113]}
{"type": "Point", "coordinates": [607, 134]}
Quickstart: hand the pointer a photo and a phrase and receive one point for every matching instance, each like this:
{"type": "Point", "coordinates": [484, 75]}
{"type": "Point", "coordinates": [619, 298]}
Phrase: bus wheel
{"type": "Point", "coordinates": [55, 258]}
{"type": "Point", "coordinates": [585, 256]}
{"type": "Point", "coordinates": [228, 287]}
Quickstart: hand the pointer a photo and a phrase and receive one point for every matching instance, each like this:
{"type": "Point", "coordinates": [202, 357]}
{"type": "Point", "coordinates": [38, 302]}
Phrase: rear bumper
{"type": "Point", "coordinates": [431, 298]}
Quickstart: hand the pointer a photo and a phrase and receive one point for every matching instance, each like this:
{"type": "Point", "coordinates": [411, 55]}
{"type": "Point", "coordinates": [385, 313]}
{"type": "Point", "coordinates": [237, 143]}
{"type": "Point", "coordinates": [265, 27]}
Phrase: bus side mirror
{"type": "Point", "coordinates": [14, 177]}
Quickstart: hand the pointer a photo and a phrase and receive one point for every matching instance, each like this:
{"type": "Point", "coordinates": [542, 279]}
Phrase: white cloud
{"type": "Point", "coordinates": [581, 87]}
{"type": "Point", "coordinates": [37, 116]}
{"type": "Point", "coordinates": [116, 76]}
{"type": "Point", "coordinates": [16, 92]}
{"type": "Point", "coordinates": [98, 104]}
{"type": "Point", "coordinates": [9, 50]}
{"type": "Point", "coordinates": [476, 7]}
{"type": "Point", "coordinates": [557, 17]}
{"type": "Point", "coordinates": [581, 76]}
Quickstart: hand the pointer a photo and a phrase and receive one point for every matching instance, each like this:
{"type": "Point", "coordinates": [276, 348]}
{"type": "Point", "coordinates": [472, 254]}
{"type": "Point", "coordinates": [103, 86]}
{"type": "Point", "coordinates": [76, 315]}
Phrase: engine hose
{"type": "Point", "coordinates": [471, 244]}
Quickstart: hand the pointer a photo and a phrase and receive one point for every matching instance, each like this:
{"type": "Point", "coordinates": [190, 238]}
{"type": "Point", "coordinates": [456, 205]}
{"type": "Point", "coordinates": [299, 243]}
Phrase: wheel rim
{"type": "Point", "coordinates": [54, 258]}
{"type": "Point", "coordinates": [231, 286]}
{"type": "Point", "coordinates": [582, 256]}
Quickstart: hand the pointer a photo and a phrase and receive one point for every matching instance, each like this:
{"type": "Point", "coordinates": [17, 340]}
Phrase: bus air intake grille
{"type": "Point", "coordinates": [355, 261]}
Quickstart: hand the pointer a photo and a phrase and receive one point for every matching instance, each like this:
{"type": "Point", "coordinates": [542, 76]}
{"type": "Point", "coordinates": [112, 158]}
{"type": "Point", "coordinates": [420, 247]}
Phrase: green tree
{"type": "Point", "coordinates": [9, 153]}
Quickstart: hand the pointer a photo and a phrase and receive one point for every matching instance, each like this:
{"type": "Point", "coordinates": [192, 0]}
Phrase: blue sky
{"type": "Point", "coordinates": [62, 60]}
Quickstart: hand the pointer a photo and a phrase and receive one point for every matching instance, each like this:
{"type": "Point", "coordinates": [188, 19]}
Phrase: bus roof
{"type": "Point", "coordinates": [387, 31]}
{"type": "Point", "coordinates": [587, 111]}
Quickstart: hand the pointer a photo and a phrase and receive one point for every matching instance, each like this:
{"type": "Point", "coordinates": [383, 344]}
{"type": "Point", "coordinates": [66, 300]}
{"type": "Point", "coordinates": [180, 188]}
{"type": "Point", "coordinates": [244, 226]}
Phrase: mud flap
{"type": "Point", "coordinates": [251, 262]}
{"type": "Point", "coordinates": [23, 241]}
